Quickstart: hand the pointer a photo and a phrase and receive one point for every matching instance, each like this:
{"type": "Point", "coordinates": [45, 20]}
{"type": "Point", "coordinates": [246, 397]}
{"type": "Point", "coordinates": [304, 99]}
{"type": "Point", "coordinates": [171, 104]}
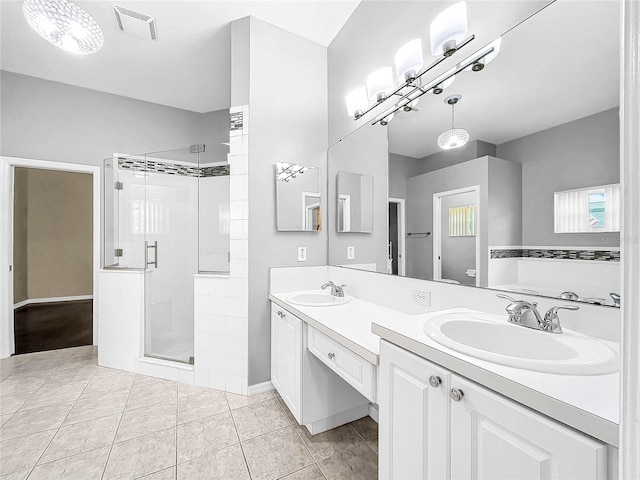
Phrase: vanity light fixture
{"type": "Point", "coordinates": [357, 102]}
{"type": "Point", "coordinates": [288, 171]}
{"type": "Point", "coordinates": [454, 137]}
{"type": "Point", "coordinates": [64, 24]}
{"type": "Point", "coordinates": [385, 121]}
{"type": "Point", "coordinates": [441, 87]}
{"type": "Point", "coordinates": [380, 84]}
{"type": "Point", "coordinates": [448, 29]}
{"type": "Point", "coordinates": [492, 50]}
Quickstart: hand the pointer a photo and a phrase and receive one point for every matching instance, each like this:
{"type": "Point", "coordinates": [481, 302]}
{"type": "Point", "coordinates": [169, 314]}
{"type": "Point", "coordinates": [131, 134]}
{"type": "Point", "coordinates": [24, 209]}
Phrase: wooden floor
{"type": "Point", "coordinates": [50, 326]}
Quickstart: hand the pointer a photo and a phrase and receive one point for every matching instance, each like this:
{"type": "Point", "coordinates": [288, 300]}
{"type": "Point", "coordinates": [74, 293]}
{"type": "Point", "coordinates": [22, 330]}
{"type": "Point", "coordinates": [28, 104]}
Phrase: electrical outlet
{"type": "Point", "coordinates": [421, 297]}
{"type": "Point", "coordinates": [302, 254]}
{"type": "Point", "coordinates": [351, 252]}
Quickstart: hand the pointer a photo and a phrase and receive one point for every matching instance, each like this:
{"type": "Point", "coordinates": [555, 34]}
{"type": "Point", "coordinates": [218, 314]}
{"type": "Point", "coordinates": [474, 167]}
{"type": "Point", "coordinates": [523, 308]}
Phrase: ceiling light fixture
{"type": "Point", "coordinates": [448, 29]}
{"type": "Point", "coordinates": [64, 24]}
{"type": "Point", "coordinates": [454, 137]}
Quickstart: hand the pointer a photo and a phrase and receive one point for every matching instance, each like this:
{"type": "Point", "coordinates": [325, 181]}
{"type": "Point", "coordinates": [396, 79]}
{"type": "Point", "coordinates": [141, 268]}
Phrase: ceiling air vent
{"type": "Point", "coordinates": [136, 24]}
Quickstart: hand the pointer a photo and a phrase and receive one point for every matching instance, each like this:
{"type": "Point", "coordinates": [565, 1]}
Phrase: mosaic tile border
{"type": "Point", "coordinates": [559, 254]}
{"type": "Point", "coordinates": [169, 168]}
{"type": "Point", "coordinates": [236, 121]}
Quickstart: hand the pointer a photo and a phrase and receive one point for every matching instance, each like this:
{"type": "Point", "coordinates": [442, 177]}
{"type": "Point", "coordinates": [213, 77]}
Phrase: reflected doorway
{"type": "Point", "coordinates": [396, 241]}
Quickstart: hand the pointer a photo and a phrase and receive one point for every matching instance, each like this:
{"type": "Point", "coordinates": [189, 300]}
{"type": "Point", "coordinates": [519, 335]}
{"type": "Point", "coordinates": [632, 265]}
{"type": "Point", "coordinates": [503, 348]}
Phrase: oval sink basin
{"type": "Point", "coordinates": [317, 299]}
{"type": "Point", "coordinates": [491, 338]}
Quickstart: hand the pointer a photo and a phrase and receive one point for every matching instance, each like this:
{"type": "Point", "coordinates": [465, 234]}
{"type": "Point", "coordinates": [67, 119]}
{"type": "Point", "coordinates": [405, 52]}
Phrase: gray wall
{"type": "Point", "coordinates": [446, 158]}
{"type": "Point", "coordinates": [365, 152]}
{"type": "Point", "coordinates": [48, 120]}
{"type": "Point", "coordinates": [287, 123]}
{"type": "Point", "coordinates": [582, 153]}
{"type": "Point", "coordinates": [401, 167]}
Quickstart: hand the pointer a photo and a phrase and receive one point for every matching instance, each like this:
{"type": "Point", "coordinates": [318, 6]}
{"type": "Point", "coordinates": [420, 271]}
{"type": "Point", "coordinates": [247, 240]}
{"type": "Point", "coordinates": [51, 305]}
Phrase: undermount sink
{"type": "Point", "coordinates": [491, 338]}
{"type": "Point", "coordinates": [317, 299]}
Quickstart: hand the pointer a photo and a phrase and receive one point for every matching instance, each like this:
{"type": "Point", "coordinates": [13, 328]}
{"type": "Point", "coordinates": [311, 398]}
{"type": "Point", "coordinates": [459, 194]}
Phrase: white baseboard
{"type": "Point", "coordinates": [260, 388]}
{"type": "Point", "coordinates": [373, 412]}
{"type": "Point", "coordinates": [337, 420]}
{"type": "Point", "coordinates": [30, 301]}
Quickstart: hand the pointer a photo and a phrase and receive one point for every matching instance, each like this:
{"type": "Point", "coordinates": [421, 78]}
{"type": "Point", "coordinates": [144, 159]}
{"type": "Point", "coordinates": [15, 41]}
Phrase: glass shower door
{"type": "Point", "coordinates": [169, 216]}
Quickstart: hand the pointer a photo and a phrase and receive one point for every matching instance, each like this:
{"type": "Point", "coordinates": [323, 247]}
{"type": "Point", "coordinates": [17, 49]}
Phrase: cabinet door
{"type": "Point", "coordinates": [413, 438]}
{"type": "Point", "coordinates": [286, 358]}
{"type": "Point", "coordinates": [495, 438]}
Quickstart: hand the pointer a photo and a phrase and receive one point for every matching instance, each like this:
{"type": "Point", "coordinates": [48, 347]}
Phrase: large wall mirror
{"type": "Point", "coordinates": [543, 122]}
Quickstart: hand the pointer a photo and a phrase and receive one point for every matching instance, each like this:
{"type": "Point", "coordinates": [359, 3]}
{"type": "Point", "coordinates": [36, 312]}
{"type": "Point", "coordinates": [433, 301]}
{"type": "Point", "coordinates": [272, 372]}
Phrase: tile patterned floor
{"type": "Point", "coordinates": [63, 417]}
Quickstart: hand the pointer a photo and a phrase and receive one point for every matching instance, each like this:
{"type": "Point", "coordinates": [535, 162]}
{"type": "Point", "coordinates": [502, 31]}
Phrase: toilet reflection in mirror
{"type": "Point", "coordinates": [298, 198]}
{"type": "Point", "coordinates": [355, 202]}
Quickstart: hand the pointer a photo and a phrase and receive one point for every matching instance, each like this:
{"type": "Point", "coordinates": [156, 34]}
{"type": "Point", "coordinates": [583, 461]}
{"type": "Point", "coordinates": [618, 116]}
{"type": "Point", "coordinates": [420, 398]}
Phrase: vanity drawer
{"type": "Point", "coordinates": [354, 369]}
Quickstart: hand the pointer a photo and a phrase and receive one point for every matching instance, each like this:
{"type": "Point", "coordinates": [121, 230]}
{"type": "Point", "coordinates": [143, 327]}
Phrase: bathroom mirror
{"type": "Point", "coordinates": [355, 202]}
{"type": "Point", "coordinates": [540, 122]}
{"type": "Point", "coordinates": [297, 198]}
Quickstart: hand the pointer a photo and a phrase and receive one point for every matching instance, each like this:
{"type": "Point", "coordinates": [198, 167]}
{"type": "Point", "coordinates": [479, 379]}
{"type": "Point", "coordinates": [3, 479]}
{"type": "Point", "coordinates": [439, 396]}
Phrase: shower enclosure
{"type": "Point", "coordinates": [167, 214]}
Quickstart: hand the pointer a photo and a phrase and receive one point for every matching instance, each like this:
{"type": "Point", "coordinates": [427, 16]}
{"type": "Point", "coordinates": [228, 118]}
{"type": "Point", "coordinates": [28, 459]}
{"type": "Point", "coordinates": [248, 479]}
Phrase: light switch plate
{"type": "Point", "coordinates": [302, 254]}
{"type": "Point", "coordinates": [351, 252]}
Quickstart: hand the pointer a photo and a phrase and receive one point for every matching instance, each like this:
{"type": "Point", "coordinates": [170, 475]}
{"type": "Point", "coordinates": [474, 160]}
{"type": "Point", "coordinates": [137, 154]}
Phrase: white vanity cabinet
{"type": "Point", "coordinates": [426, 433]}
{"type": "Point", "coordinates": [286, 358]}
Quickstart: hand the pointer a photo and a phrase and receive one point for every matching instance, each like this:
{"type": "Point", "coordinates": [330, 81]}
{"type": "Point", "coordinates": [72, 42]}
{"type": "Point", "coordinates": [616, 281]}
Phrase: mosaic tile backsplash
{"type": "Point", "coordinates": [172, 168]}
{"type": "Point", "coordinates": [562, 254]}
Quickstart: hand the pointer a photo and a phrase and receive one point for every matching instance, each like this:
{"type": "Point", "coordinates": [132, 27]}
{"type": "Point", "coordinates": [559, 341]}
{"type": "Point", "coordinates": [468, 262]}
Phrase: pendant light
{"type": "Point", "coordinates": [64, 24]}
{"type": "Point", "coordinates": [454, 137]}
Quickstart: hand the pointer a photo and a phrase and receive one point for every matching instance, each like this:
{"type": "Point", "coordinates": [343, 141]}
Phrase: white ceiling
{"type": "Point", "coordinates": [188, 67]}
{"type": "Point", "coordinates": [560, 65]}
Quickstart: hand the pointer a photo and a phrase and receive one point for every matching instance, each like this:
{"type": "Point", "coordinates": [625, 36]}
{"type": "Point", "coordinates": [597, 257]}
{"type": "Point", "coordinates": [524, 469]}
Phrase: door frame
{"type": "Point", "coordinates": [7, 169]}
{"type": "Point", "coordinates": [402, 258]}
{"type": "Point", "coordinates": [437, 231]}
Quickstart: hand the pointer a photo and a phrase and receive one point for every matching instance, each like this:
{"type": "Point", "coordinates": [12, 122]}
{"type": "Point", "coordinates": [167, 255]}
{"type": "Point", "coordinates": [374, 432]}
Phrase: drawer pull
{"type": "Point", "coordinates": [435, 381]}
{"type": "Point", "coordinates": [280, 314]}
{"type": "Point", "coordinates": [331, 356]}
{"type": "Point", "coordinates": [456, 394]}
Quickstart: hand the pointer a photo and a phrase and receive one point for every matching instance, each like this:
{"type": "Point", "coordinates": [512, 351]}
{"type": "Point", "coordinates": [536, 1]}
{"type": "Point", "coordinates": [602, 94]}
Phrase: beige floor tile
{"type": "Point", "coordinates": [259, 418]}
{"type": "Point", "coordinates": [20, 453]}
{"type": "Point", "coordinates": [84, 466]}
{"type": "Point", "coordinates": [200, 404]}
{"type": "Point", "coordinates": [185, 390]}
{"type": "Point", "coordinates": [81, 437]}
{"type": "Point", "coordinates": [21, 475]}
{"type": "Point", "coordinates": [142, 456]}
{"type": "Point", "coordinates": [225, 464]}
{"type": "Point", "coordinates": [108, 381]}
{"type": "Point", "coordinates": [168, 474]}
{"type": "Point", "coordinates": [143, 380]}
{"type": "Point", "coordinates": [358, 463]}
{"type": "Point", "coordinates": [367, 427]}
{"type": "Point", "coordinates": [239, 401]}
{"type": "Point", "coordinates": [326, 444]}
{"type": "Point", "coordinates": [145, 420]}
{"type": "Point", "coordinates": [21, 384]}
{"type": "Point", "coordinates": [287, 412]}
{"type": "Point", "coordinates": [73, 375]}
{"type": "Point", "coordinates": [12, 402]}
{"type": "Point", "coordinates": [151, 394]}
{"type": "Point", "coordinates": [54, 394]}
{"type": "Point", "coordinates": [35, 420]}
{"type": "Point", "coordinates": [4, 418]}
{"type": "Point", "coordinates": [312, 472]}
{"type": "Point", "coordinates": [90, 408]}
{"type": "Point", "coordinates": [205, 436]}
{"type": "Point", "coordinates": [276, 454]}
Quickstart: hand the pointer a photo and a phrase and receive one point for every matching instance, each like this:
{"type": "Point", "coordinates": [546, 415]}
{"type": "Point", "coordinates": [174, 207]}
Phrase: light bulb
{"type": "Point", "coordinates": [409, 60]}
{"type": "Point", "coordinates": [441, 87]}
{"type": "Point", "coordinates": [357, 102]}
{"type": "Point", "coordinates": [448, 29]}
{"type": "Point", "coordinates": [380, 84]}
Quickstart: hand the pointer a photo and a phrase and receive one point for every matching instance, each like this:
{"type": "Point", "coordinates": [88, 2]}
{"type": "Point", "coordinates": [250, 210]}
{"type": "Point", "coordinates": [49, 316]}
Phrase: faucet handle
{"type": "Point", "coordinates": [506, 297]}
{"type": "Point", "coordinates": [552, 321]}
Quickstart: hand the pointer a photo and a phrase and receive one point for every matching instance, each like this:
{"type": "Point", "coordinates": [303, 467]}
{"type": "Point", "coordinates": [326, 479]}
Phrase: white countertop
{"type": "Point", "coordinates": [589, 403]}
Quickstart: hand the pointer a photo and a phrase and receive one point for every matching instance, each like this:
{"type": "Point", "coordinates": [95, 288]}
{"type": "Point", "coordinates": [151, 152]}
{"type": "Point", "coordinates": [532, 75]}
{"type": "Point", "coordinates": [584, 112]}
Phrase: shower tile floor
{"type": "Point", "coordinates": [63, 417]}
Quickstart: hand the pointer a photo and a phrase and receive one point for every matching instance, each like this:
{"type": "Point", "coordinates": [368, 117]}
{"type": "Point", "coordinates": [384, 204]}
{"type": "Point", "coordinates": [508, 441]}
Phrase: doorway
{"type": "Point", "coordinates": [41, 264]}
{"type": "Point", "coordinates": [456, 227]}
{"type": "Point", "coordinates": [396, 264]}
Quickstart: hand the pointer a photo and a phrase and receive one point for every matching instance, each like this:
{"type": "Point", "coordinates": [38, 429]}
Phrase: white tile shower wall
{"type": "Point", "coordinates": [121, 313]}
{"type": "Point", "coordinates": [395, 292]}
{"type": "Point", "coordinates": [221, 303]}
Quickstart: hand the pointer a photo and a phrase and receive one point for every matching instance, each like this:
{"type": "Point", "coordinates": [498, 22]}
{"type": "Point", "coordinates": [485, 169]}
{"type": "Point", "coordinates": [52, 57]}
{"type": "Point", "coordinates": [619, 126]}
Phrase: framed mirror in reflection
{"type": "Point", "coordinates": [355, 202]}
{"type": "Point", "coordinates": [541, 124]}
{"type": "Point", "coordinates": [298, 198]}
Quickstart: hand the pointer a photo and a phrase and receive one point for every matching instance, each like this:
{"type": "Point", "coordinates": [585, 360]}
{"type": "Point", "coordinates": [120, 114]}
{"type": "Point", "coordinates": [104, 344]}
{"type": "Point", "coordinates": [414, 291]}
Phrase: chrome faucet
{"type": "Point", "coordinates": [336, 290]}
{"type": "Point", "coordinates": [526, 314]}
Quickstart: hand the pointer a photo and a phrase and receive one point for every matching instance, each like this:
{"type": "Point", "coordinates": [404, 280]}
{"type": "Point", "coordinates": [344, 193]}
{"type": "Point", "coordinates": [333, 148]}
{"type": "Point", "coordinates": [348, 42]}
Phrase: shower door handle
{"type": "Point", "coordinates": [155, 254]}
